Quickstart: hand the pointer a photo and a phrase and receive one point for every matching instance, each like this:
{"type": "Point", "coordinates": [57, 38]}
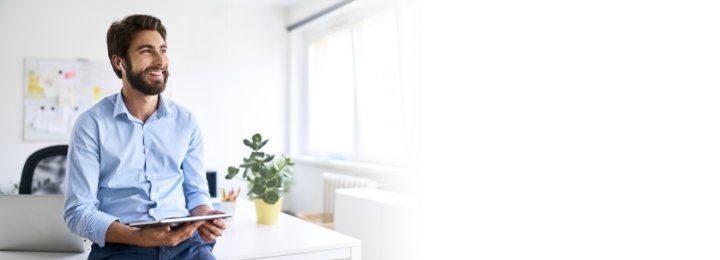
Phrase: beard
{"type": "Point", "coordinates": [145, 87]}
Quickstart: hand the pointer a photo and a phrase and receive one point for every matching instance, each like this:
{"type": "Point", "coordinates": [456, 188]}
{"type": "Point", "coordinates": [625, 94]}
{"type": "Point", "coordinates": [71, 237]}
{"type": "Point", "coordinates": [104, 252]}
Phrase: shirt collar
{"type": "Point", "coordinates": [119, 105]}
{"type": "Point", "coordinates": [163, 108]}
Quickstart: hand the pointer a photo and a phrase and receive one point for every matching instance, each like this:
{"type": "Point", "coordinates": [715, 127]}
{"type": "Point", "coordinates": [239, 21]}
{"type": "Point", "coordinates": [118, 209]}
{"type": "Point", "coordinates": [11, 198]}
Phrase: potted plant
{"type": "Point", "coordinates": [267, 179]}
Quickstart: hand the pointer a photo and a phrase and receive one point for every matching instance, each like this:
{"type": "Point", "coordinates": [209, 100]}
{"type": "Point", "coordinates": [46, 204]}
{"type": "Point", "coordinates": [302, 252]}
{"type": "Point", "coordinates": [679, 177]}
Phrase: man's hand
{"type": "Point", "coordinates": [163, 235]}
{"type": "Point", "coordinates": [210, 229]}
{"type": "Point", "coordinates": [150, 236]}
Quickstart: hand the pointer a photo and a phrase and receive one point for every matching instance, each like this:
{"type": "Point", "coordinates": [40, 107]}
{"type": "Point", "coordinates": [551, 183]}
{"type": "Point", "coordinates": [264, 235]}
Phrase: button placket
{"type": "Point", "coordinates": [143, 177]}
{"type": "Point", "coordinates": [146, 153]}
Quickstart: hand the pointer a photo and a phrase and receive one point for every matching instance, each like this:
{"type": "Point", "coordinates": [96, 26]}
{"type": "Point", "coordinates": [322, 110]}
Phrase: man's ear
{"type": "Point", "coordinates": [117, 63]}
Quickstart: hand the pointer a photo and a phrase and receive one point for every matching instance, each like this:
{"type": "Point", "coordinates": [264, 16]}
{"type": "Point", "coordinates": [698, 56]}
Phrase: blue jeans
{"type": "Point", "coordinates": [192, 248]}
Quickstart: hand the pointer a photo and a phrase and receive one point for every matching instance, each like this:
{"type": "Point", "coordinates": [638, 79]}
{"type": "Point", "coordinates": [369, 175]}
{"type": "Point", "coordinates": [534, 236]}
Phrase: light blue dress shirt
{"type": "Point", "coordinates": [120, 168]}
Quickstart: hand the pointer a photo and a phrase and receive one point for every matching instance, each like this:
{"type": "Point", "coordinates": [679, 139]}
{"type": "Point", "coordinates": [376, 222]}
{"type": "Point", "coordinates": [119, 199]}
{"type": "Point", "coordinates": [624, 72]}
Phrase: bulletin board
{"type": "Point", "coordinates": [56, 92]}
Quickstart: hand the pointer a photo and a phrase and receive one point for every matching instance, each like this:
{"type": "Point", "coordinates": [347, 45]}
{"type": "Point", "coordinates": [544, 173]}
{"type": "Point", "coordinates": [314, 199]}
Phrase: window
{"type": "Point", "coordinates": [354, 98]}
{"type": "Point", "coordinates": [331, 94]}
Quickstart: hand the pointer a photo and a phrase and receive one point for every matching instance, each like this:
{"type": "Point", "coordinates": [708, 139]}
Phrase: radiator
{"type": "Point", "coordinates": [333, 181]}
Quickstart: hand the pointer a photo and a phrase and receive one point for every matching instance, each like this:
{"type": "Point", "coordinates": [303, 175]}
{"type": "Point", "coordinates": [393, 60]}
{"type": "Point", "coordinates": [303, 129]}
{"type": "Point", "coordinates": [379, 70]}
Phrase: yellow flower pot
{"type": "Point", "coordinates": [267, 214]}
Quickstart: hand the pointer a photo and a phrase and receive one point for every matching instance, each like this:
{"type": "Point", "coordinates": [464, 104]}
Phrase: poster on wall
{"type": "Point", "coordinates": [58, 91]}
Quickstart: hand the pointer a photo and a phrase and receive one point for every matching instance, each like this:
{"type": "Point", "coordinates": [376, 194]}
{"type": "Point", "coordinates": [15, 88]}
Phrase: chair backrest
{"type": "Point", "coordinates": [44, 171]}
{"type": "Point", "coordinates": [211, 177]}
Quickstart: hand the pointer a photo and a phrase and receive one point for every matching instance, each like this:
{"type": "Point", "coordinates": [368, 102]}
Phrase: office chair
{"type": "Point", "coordinates": [44, 171]}
{"type": "Point", "coordinates": [211, 177]}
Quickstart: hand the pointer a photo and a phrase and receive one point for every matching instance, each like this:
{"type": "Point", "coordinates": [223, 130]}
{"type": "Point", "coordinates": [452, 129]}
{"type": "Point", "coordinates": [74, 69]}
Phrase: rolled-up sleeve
{"type": "Point", "coordinates": [195, 183]}
{"type": "Point", "coordinates": [83, 172]}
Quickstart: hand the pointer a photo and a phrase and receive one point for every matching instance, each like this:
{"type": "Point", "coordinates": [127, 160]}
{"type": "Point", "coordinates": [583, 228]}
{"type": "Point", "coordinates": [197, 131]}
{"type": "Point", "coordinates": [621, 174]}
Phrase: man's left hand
{"type": "Point", "coordinates": [211, 229]}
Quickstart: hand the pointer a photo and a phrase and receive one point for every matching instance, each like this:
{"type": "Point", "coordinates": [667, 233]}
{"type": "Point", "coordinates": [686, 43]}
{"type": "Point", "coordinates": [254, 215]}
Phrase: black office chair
{"type": "Point", "coordinates": [211, 177]}
{"type": "Point", "coordinates": [44, 171]}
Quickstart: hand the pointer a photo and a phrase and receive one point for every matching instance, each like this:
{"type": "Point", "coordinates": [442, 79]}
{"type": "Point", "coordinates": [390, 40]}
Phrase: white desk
{"type": "Point", "coordinates": [291, 238]}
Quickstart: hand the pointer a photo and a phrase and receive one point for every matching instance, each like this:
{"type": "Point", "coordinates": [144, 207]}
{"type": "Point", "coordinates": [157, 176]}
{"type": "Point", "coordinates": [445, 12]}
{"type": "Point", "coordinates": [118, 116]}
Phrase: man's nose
{"type": "Point", "coordinates": [159, 60]}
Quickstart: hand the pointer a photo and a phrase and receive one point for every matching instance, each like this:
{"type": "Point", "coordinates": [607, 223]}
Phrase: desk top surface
{"type": "Point", "coordinates": [244, 238]}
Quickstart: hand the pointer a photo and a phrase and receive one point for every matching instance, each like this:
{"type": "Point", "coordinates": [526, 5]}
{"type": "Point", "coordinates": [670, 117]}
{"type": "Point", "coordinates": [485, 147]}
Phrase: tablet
{"type": "Point", "coordinates": [177, 221]}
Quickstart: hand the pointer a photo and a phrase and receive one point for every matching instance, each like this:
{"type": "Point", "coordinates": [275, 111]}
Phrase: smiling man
{"type": "Point", "coordinates": [137, 156]}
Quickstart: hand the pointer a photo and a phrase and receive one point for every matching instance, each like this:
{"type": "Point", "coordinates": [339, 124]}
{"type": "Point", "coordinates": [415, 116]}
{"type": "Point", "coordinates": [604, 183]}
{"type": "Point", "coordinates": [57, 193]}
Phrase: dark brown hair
{"type": "Point", "coordinates": [120, 35]}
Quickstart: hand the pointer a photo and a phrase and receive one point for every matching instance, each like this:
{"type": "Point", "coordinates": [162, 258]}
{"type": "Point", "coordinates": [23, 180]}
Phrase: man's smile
{"type": "Point", "coordinates": [155, 74]}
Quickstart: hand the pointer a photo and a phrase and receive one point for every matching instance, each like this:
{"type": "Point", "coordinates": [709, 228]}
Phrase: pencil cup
{"type": "Point", "coordinates": [227, 207]}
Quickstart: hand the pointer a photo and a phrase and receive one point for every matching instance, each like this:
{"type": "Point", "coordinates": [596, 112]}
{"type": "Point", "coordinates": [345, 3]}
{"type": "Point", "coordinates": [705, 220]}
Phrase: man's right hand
{"type": "Point", "coordinates": [150, 236]}
{"type": "Point", "coordinates": [163, 235]}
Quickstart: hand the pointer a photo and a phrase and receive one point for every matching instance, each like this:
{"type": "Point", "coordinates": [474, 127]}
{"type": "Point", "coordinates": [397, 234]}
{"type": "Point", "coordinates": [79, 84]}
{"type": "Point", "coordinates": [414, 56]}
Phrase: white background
{"type": "Point", "coordinates": [571, 129]}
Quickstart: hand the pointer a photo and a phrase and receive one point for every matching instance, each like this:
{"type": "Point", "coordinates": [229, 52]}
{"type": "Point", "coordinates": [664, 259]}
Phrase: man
{"type": "Point", "coordinates": [137, 156]}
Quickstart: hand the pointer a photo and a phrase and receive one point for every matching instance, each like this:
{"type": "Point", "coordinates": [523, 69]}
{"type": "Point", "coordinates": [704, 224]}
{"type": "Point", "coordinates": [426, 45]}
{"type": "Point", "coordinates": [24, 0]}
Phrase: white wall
{"type": "Point", "coordinates": [227, 59]}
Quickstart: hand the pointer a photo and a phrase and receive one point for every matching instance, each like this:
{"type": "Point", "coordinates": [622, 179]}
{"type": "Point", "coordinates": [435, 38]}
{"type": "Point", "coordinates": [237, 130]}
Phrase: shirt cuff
{"type": "Point", "coordinates": [100, 226]}
{"type": "Point", "coordinates": [197, 201]}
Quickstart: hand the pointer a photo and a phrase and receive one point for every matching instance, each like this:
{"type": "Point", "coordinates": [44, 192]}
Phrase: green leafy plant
{"type": "Point", "coordinates": [267, 179]}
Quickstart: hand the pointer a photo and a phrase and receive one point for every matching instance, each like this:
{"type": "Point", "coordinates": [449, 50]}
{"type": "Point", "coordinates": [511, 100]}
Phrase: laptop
{"type": "Point", "coordinates": [35, 223]}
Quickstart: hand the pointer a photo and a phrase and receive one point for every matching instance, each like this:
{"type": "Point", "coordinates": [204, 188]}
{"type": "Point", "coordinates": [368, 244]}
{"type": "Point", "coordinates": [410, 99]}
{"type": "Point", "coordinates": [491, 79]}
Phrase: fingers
{"type": "Point", "coordinates": [158, 235]}
{"type": "Point", "coordinates": [215, 230]}
{"type": "Point", "coordinates": [220, 223]}
{"type": "Point", "coordinates": [164, 235]}
{"type": "Point", "coordinates": [206, 235]}
{"type": "Point", "coordinates": [212, 229]}
{"type": "Point", "coordinates": [188, 229]}
{"type": "Point", "coordinates": [183, 233]}
{"type": "Point", "coordinates": [193, 226]}
{"type": "Point", "coordinates": [217, 223]}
